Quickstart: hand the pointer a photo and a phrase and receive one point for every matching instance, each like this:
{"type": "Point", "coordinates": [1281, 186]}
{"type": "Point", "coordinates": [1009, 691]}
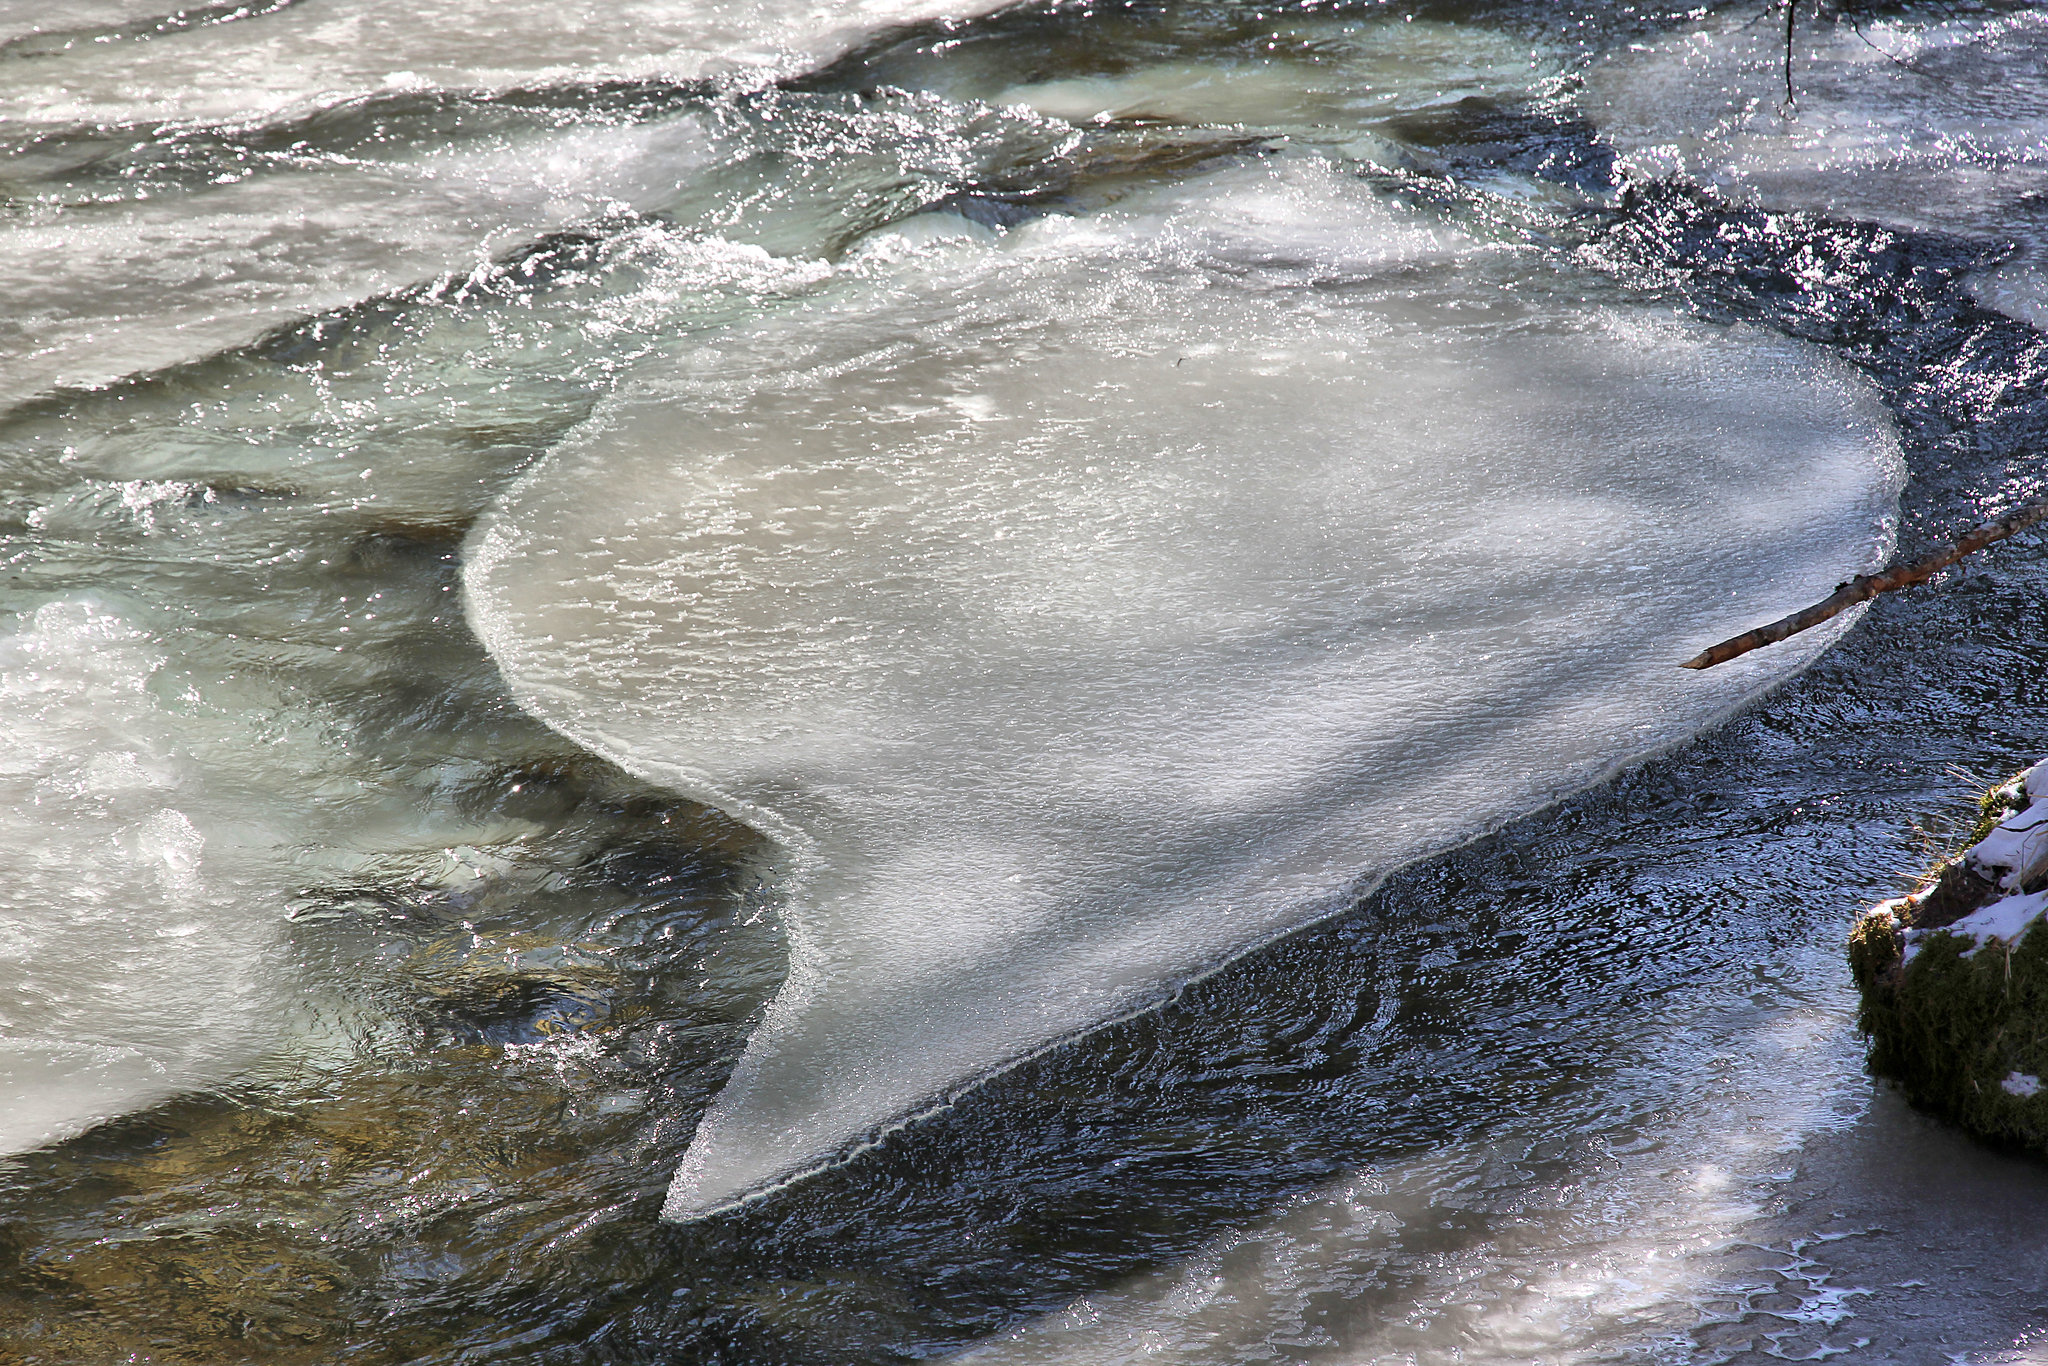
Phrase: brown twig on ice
{"type": "Point", "coordinates": [1864, 587]}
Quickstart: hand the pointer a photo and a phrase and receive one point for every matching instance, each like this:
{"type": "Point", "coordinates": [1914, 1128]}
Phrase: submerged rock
{"type": "Point", "coordinates": [1954, 978]}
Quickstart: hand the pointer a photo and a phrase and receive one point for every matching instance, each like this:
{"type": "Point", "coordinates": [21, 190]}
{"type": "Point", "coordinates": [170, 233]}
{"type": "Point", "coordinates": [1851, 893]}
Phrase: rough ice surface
{"type": "Point", "coordinates": [298, 57]}
{"type": "Point", "coordinates": [1926, 125]}
{"type": "Point", "coordinates": [1923, 125]}
{"type": "Point", "coordinates": [348, 151]}
{"type": "Point", "coordinates": [136, 956]}
{"type": "Point", "coordinates": [1085, 609]}
{"type": "Point", "coordinates": [216, 266]}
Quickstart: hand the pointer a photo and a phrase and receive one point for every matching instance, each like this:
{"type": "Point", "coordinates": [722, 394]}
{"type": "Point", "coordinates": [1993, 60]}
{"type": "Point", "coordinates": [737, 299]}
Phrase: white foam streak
{"type": "Point", "coordinates": [1089, 609]}
{"type": "Point", "coordinates": [25, 18]}
{"type": "Point", "coordinates": [217, 268]}
{"type": "Point", "coordinates": [316, 54]}
{"type": "Point", "coordinates": [133, 965]}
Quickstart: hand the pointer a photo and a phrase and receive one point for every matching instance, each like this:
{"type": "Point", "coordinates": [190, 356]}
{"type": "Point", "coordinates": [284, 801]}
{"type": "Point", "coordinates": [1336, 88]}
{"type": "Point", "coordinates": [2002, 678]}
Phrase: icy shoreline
{"type": "Point", "coordinates": [1954, 978]}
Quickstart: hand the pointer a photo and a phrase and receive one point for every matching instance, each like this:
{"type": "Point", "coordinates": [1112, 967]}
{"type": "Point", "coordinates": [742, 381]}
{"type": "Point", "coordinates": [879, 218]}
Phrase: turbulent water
{"type": "Point", "coordinates": [1038, 618]}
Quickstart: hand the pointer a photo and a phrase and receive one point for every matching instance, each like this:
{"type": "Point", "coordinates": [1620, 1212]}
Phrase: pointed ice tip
{"type": "Point", "coordinates": [1208, 611]}
{"type": "Point", "coordinates": [699, 1191]}
{"type": "Point", "coordinates": [681, 1208]}
{"type": "Point", "coordinates": [920, 1004]}
{"type": "Point", "coordinates": [687, 1202]}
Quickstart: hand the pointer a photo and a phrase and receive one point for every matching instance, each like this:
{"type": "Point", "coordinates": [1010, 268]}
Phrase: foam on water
{"type": "Point", "coordinates": [1941, 126]}
{"type": "Point", "coordinates": [306, 55]}
{"type": "Point", "coordinates": [204, 271]}
{"type": "Point", "coordinates": [1085, 609]}
{"type": "Point", "coordinates": [134, 959]}
{"type": "Point", "coordinates": [165, 808]}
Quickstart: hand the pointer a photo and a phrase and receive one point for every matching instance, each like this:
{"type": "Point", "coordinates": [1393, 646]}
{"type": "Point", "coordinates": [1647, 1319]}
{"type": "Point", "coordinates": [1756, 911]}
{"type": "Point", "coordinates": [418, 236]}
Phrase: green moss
{"type": "Point", "coordinates": [1995, 805]}
{"type": "Point", "coordinates": [1875, 948]}
{"type": "Point", "coordinates": [1951, 1025]}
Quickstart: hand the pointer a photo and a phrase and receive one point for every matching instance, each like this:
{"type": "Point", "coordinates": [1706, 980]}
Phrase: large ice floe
{"type": "Point", "coordinates": [1084, 606]}
{"type": "Point", "coordinates": [1930, 125]}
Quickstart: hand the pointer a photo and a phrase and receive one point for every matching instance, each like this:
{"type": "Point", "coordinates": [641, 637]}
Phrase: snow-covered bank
{"type": "Point", "coordinates": [1955, 978]}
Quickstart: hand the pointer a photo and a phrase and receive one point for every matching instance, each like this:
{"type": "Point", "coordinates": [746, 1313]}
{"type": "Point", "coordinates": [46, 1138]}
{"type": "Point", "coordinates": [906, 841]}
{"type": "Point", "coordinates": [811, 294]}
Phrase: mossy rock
{"type": "Point", "coordinates": [1962, 1027]}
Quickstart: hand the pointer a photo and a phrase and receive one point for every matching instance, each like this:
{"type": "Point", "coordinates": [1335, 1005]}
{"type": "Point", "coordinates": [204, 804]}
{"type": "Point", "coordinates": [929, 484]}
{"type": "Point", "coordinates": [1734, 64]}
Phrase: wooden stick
{"type": "Point", "coordinates": [1791, 12]}
{"type": "Point", "coordinates": [1864, 587]}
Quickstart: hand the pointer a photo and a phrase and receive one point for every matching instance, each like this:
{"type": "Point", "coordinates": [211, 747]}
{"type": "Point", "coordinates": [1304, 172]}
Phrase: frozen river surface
{"type": "Point", "coordinates": [867, 682]}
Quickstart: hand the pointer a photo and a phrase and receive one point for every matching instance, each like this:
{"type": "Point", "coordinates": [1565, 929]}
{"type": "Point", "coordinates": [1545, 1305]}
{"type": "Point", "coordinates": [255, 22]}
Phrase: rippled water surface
{"type": "Point", "coordinates": [349, 1012]}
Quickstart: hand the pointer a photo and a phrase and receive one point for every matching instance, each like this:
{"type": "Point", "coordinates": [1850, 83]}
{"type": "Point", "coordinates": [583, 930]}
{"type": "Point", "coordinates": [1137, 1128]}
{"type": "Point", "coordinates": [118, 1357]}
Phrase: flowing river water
{"type": "Point", "coordinates": [1019, 664]}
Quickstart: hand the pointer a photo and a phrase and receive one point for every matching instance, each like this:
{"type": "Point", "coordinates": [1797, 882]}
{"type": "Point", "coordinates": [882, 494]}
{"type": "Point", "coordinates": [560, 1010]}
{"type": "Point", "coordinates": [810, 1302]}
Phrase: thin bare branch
{"type": "Point", "coordinates": [1791, 12]}
{"type": "Point", "coordinates": [1864, 587]}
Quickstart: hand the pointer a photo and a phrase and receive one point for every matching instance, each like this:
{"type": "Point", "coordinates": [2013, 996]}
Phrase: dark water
{"type": "Point", "coordinates": [1584, 1090]}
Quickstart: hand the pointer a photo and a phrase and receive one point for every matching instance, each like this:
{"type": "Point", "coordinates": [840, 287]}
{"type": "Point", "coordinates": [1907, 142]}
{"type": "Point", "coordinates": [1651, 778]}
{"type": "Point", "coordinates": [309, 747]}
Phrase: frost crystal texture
{"type": "Point", "coordinates": [1084, 609]}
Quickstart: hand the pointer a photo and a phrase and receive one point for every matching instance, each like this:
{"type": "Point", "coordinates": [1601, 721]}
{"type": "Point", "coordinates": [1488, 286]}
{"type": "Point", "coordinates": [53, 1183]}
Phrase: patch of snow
{"type": "Point", "coordinates": [2035, 781]}
{"type": "Point", "coordinates": [2018, 841]}
{"type": "Point", "coordinates": [2005, 919]}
